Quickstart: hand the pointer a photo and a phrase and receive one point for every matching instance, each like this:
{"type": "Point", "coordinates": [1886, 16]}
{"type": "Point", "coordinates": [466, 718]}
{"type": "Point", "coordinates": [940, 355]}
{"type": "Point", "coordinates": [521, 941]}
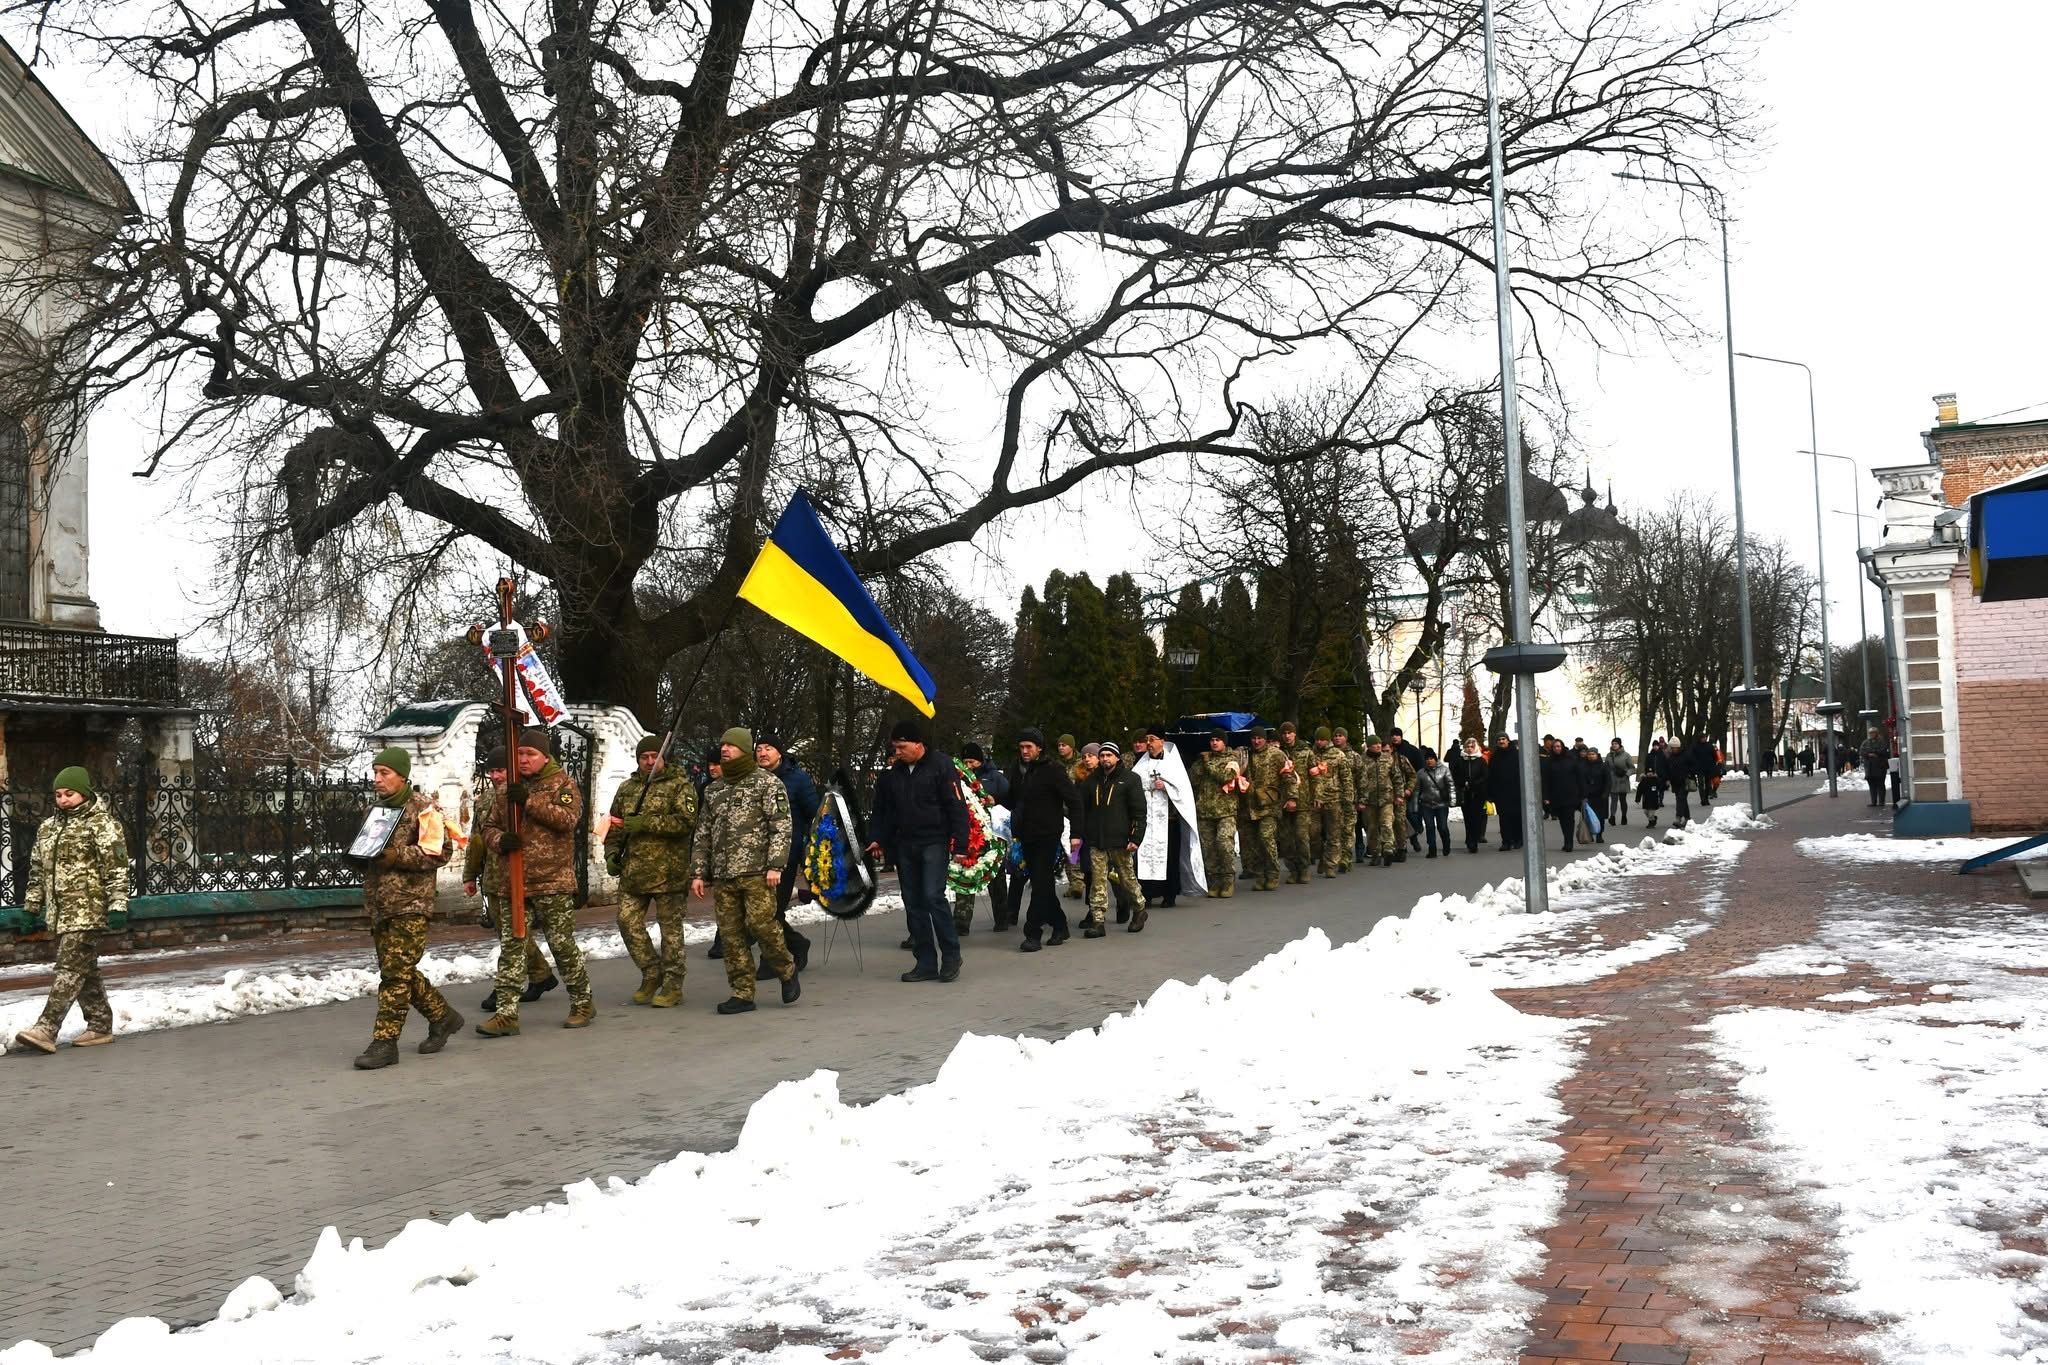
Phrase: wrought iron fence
{"type": "Point", "coordinates": [36, 661]}
{"type": "Point", "coordinates": [280, 829]}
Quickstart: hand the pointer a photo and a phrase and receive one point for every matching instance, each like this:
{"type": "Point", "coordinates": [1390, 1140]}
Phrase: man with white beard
{"type": "Point", "coordinates": [1170, 858]}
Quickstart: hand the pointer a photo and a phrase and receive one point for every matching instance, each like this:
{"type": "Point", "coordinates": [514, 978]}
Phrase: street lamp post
{"type": "Point", "coordinates": [1820, 557]}
{"type": "Point", "coordinates": [1418, 685]}
{"type": "Point", "coordinates": [1750, 693]}
{"type": "Point", "coordinates": [1862, 621]}
{"type": "Point", "coordinates": [1521, 657]}
{"type": "Point", "coordinates": [1182, 662]}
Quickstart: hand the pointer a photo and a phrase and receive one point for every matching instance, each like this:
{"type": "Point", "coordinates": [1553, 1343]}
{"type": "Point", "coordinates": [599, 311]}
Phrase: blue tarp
{"type": "Point", "coordinates": [2009, 540]}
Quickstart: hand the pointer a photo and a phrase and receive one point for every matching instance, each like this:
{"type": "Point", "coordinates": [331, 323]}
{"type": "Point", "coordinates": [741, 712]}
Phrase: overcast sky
{"type": "Point", "coordinates": [1888, 234]}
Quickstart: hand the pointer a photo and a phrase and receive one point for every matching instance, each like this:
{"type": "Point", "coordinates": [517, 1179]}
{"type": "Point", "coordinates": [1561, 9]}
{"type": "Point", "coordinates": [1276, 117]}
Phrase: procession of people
{"type": "Point", "coordinates": [1099, 822]}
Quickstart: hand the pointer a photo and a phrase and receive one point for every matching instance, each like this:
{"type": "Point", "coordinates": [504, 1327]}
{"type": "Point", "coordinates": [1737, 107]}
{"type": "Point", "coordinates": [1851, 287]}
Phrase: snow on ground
{"type": "Point", "coordinates": [176, 1000]}
{"type": "Point", "coordinates": [1342, 1152]}
{"type": "Point", "coordinates": [1883, 848]}
{"type": "Point", "coordinates": [1922, 1130]}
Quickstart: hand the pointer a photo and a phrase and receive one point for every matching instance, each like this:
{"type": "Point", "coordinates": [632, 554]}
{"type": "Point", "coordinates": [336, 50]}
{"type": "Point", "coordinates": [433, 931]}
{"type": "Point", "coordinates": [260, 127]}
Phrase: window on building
{"type": "Point", "coordinates": [14, 518]}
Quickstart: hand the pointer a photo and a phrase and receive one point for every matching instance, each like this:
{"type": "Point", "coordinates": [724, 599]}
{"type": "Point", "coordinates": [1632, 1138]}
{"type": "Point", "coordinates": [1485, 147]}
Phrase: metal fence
{"type": "Point", "coordinates": [280, 829]}
{"type": "Point", "coordinates": [38, 661]}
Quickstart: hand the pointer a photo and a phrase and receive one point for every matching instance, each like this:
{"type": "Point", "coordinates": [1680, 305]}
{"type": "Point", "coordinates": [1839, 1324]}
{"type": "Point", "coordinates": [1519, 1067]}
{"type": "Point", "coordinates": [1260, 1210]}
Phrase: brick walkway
{"type": "Point", "coordinates": [1677, 1245]}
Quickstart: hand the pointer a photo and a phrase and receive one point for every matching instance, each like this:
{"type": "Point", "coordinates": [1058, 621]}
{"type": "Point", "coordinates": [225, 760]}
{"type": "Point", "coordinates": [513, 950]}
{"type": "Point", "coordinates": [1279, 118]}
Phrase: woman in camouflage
{"type": "Point", "coordinates": [77, 880]}
{"type": "Point", "coordinates": [398, 891]}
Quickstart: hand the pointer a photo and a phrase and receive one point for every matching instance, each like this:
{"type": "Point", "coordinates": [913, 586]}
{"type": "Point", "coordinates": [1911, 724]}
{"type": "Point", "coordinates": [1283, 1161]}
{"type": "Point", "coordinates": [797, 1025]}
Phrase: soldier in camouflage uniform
{"type": "Point", "coordinates": [77, 881]}
{"type": "Point", "coordinates": [1354, 764]}
{"type": "Point", "coordinates": [647, 847]}
{"type": "Point", "coordinates": [1259, 826]}
{"type": "Point", "coordinates": [483, 869]}
{"type": "Point", "coordinates": [398, 893]}
{"type": "Point", "coordinates": [1218, 775]}
{"type": "Point", "coordinates": [1378, 790]}
{"type": "Point", "coordinates": [550, 808]}
{"type": "Point", "coordinates": [741, 850]}
{"type": "Point", "coordinates": [1330, 785]}
{"type": "Point", "coordinates": [1404, 792]}
{"type": "Point", "coordinates": [1113, 814]}
{"type": "Point", "coordinates": [1297, 811]}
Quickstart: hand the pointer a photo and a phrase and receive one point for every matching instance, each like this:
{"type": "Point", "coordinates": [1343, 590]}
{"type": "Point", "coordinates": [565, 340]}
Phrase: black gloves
{"type": "Point", "coordinates": [515, 792]}
{"type": "Point", "coordinates": [508, 842]}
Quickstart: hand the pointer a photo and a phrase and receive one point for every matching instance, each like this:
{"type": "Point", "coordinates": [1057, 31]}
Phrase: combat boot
{"type": "Point", "coordinates": [650, 982]}
{"type": "Point", "coordinates": [1138, 918]}
{"type": "Point", "coordinates": [92, 1037]}
{"type": "Point", "coordinates": [38, 1037]}
{"type": "Point", "coordinates": [1092, 930]}
{"type": "Point", "coordinates": [438, 1034]}
{"type": "Point", "coordinates": [381, 1052]}
{"type": "Point", "coordinates": [535, 990]}
{"type": "Point", "coordinates": [668, 997]}
{"type": "Point", "coordinates": [498, 1026]}
{"type": "Point", "coordinates": [580, 1014]}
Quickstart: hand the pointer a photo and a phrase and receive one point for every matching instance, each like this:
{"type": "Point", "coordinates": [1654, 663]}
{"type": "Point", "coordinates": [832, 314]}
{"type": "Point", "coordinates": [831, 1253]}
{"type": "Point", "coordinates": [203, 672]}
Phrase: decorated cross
{"type": "Point", "coordinates": [509, 647]}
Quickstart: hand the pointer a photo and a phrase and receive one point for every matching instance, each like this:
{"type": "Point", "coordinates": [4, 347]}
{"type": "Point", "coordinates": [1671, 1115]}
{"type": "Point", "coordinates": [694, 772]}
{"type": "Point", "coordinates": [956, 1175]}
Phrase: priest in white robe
{"type": "Point", "coordinates": [1170, 858]}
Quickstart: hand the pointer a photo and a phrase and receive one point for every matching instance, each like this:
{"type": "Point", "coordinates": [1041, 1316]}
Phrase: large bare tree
{"type": "Point", "coordinates": [567, 283]}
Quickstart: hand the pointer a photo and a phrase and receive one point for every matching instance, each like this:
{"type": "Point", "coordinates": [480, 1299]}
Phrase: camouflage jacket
{"type": "Point", "coordinates": [1356, 758]}
{"type": "Point", "coordinates": [1325, 788]}
{"type": "Point", "coordinates": [547, 830]}
{"type": "Point", "coordinates": [1303, 757]}
{"type": "Point", "coordinates": [1209, 772]}
{"type": "Point", "coordinates": [1269, 785]}
{"type": "Point", "coordinates": [650, 854]}
{"type": "Point", "coordinates": [746, 828]}
{"type": "Point", "coordinates": [400, 880]}
{"type": "Point", "coordinates": [1376, 780]}
{"type": "Point", "coordinates": [1404, 778]}
{"type": "Point", "coordinates": [481, 861]}
{"type": "Point", "coordinates": [78, 873]}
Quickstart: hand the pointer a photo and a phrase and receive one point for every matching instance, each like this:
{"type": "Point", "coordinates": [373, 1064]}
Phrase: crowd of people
{"type": "Point", "coordinates": [1105, 823]}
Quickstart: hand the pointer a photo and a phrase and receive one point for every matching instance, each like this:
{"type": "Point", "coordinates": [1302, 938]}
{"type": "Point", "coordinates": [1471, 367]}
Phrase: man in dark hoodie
{"type": "Point", "coordinates": [1113, 821]}
{"type": "Point", "coordinates": [919, 821]}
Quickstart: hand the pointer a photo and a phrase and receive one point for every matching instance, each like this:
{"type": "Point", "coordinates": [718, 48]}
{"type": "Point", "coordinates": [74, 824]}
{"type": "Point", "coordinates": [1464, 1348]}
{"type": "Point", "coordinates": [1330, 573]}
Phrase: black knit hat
{"type": "Point", "coordinates": [649, 744]}
{"type": "Point", "coordinates": [772, 739]}
{"type": "Point", "coordinates": [537, 738]}
{"type": "Point", "coordinates": [970, 752]}
{"type": "Point", "coordinates": [908, 731]}
{"type": "Point", "coordinates": [495, 758]}
{"type": "Point", "coordinates": [1031, 734]}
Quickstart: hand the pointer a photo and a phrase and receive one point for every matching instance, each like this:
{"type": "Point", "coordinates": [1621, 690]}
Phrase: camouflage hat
{"type": "Point", "coordinates": [73, 779]}
{"type": "Point", "coordinates": [740, 737]}
{"type": "Point", "coordinates": [394, 758]}
{"type": "Point", "coordinates": [1067, 740]}
{"type": "Point", "coordinates": [1372, 741]}
{"type": "Point", "coordinates": [1323, 733]}
{"type": "Point", "coordinates": [649, 744]}
{"type": "Point", "coordinates": [1340, 733]}
{"type": "Point", "coordinates": [1288, 727]}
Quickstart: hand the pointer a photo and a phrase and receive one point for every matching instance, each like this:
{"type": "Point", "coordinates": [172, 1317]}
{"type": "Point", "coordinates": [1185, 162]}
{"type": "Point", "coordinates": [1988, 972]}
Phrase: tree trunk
{"type": "Point", "coordinates": [604, 653]}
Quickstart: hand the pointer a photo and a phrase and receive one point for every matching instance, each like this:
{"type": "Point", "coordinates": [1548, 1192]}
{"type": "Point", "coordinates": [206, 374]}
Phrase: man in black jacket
{"type": "Point", "coordinates": [1113, 825]}
{"type": "Point", "coordinates": [1669, 764]}
{"type": "Point", "coordinates": [1705, 766]}
{"type": "Point", "coordinates": [1504, 789]}
{"type": "Point", "coordinates": [919, 819]}
{"type": "Point", "coordinates": [1564, 787]}
{"type": "Point", "coordinates": [1043, 804]}
{"type": "Point", "coordinates": [1593, 776]}
{"type": "Point", "coordinates": [1407, 822]}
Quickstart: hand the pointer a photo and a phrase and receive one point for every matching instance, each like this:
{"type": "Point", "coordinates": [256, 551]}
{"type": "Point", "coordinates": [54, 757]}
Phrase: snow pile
{"type": "Point", "coordinates": [1343, 1152]}
{"type": "Point", "coordinates": [241, 992]}
{"type": "Point", "coordinates": [1919, 1128]}
{"type": "Point", "coordinates": [1879, 848]}
{"type": "Point", "coordinates": [1532, 951]}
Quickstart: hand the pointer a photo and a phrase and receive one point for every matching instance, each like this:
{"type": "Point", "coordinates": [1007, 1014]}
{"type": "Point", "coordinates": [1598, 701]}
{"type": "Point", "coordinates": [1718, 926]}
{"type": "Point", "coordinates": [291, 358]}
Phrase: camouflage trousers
{"type": "Point", "coordinates": [1378, 820]}
{"type": "Point", "coordinates": [401, 942]}
{"type": "Point", "coordinates": [78, 978]}
{"type": "Point", "coordinates": [746, 912]}
{"type": "Point", "coordinates": [667, 961]}
{"type": "Point", "coordinates": [1219, 852]}
{"type": "Point", "coordinates": [1403, 830]}
{"type": "Point", "coordinates": [554, 915]}
{"type": "Point", "coordinates": [1332, 838]}
{"type": "Point", "coordinates": [1298, 840]}
{"type": "Point", "coordinates": [1259, 839]}
{"type": "Point", "coordinates": [537, 969]}
{"type": "Point", "coordinates": [1117, 865]}
{"type": "Point", "coordinates": [1077, 880]}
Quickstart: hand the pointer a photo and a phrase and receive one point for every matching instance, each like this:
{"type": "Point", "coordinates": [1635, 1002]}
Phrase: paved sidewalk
{"type": "Point", "coordinates": [1678, 1246]}
{"type": "Point", "coordinates": [153, 1176]}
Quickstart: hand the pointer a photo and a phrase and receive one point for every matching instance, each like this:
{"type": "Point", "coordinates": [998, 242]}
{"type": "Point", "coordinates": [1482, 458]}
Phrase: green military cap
{"type": "Point", "coordinates": [649, 744]}
{"type": "Point", "coordinates": [1218, 732]}
{"type": "Point", "coordinates": [1340, 733]}
{"type": "Point", "coordinates": [1067, 740]}
{"type": "Point", "coordinates": [394, 758]}
{"type": "Point", "coordinates": [77, 779]}
{"type": "Point", "coordinates": [740, 737]}
{"type": "Point", "coordinates": [1322, 732]}
{"type": "Point", "coordinates": [1374, 739]}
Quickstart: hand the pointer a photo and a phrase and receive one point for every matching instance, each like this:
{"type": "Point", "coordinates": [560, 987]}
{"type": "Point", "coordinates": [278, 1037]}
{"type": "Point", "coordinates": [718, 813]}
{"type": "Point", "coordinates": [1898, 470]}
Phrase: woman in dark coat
{"type": "Point", "coordinates": [1564, 787]}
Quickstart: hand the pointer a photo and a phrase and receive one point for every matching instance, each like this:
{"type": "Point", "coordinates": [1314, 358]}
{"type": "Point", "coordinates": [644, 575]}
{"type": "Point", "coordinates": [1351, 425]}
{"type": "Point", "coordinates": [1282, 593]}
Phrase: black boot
{"type": "Point", "coordinates": [799, 948]}
{"type": "Point", "coordinates": [791, 989]}
{"type": "Point", "coordinates": [717, 947]}
{"type": "Point", "coordinates": [438, 1034]}
{"type": "Point", "coordinates": [535, 990]}
{"type": "Point", "coordinates": [491, 1003]}
{"type": "Point", "coordinates": [381, 1052]}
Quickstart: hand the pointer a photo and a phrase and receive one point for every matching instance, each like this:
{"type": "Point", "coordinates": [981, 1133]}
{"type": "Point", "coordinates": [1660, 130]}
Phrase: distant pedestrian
{"type": "Point", "coordinates": [739, 854]}
{"type": "Point", "coordinates": [921, 822]}
{"type": "Point", "coordinates": [1043, 804]}
{"type": "Point", "coordinates": [1877, 753]}
{"type": "Point", "coordinates": [1113, 812]}
{"type": "Point", "coordinates": [1704, 761]}
{"type": "Point", "coordinates": [1676, 774]}
{"type": "Point", "coordinates": [77, 881]}
{"type": "Point", "coordinates": [1564, 788]}
{"type": "Point", "coordinates": [1504, 788]}
{"type": "Point", "coordinates": [1652, 785]}
{"type": "Point", "coordinates": [1621, 767]}
{"type": "Point", "coordinates": [398, 893]}
{"type": "Point", "coordinates": [1806, 760]}
{"type": "Point", "coordinates": [647, 847]}
{"type": "Point", "coordinates": [1468, 774]}
{"type": "Point", "coordinates": [1405, 814]}
{"type": "Point", "coordinates": [1433, 798]}
{"type": "Point", "coordinates": [1595, 778]}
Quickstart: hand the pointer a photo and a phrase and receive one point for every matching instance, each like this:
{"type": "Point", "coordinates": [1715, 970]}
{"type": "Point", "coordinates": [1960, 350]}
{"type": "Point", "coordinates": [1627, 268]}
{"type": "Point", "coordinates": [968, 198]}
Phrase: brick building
{"type": "Point", "coordinates": [1970, 677]}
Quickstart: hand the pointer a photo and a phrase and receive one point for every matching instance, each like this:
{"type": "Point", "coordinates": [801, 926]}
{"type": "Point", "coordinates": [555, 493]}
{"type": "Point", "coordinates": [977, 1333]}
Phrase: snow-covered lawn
{"type": "Point", "coordinates": [1921, 1131]}
{"type": "Point", "coordinates": [1343, 1152]}
{"type": "Point", "coordinates": [316, 979]}
{"type": "Point", "coordinates": [1882, 848]}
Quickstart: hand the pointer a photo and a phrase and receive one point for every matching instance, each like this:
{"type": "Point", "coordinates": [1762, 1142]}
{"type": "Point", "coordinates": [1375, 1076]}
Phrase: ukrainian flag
{"type": "Point", "coordinates": [802, 580]}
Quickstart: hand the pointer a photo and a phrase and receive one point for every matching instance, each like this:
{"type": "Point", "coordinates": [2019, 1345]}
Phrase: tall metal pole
{"type": "Point", "coordinates": [1756, 738]}
{"type": "Point", "coordinates": [1820, 551]}
{"type": "Point", "coordinates": [1535, 892]}
{"type": "Point", "coordinates": [1862, 621]}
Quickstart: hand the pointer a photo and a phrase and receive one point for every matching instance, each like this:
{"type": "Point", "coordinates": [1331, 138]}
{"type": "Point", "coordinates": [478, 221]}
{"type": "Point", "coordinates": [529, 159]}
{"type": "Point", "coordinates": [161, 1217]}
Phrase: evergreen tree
{"type": "Point", "coordinates": [1472, 714]}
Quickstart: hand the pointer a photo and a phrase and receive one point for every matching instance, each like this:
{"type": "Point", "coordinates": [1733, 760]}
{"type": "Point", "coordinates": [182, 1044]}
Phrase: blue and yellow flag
{"type": "Point", "coordinates": [802, 580]}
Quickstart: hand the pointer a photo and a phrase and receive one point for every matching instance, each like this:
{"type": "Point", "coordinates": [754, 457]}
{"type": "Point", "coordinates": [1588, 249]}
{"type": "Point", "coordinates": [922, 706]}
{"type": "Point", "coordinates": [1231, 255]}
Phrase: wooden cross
{"type": "Point", "coordinates": [504, 644]}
